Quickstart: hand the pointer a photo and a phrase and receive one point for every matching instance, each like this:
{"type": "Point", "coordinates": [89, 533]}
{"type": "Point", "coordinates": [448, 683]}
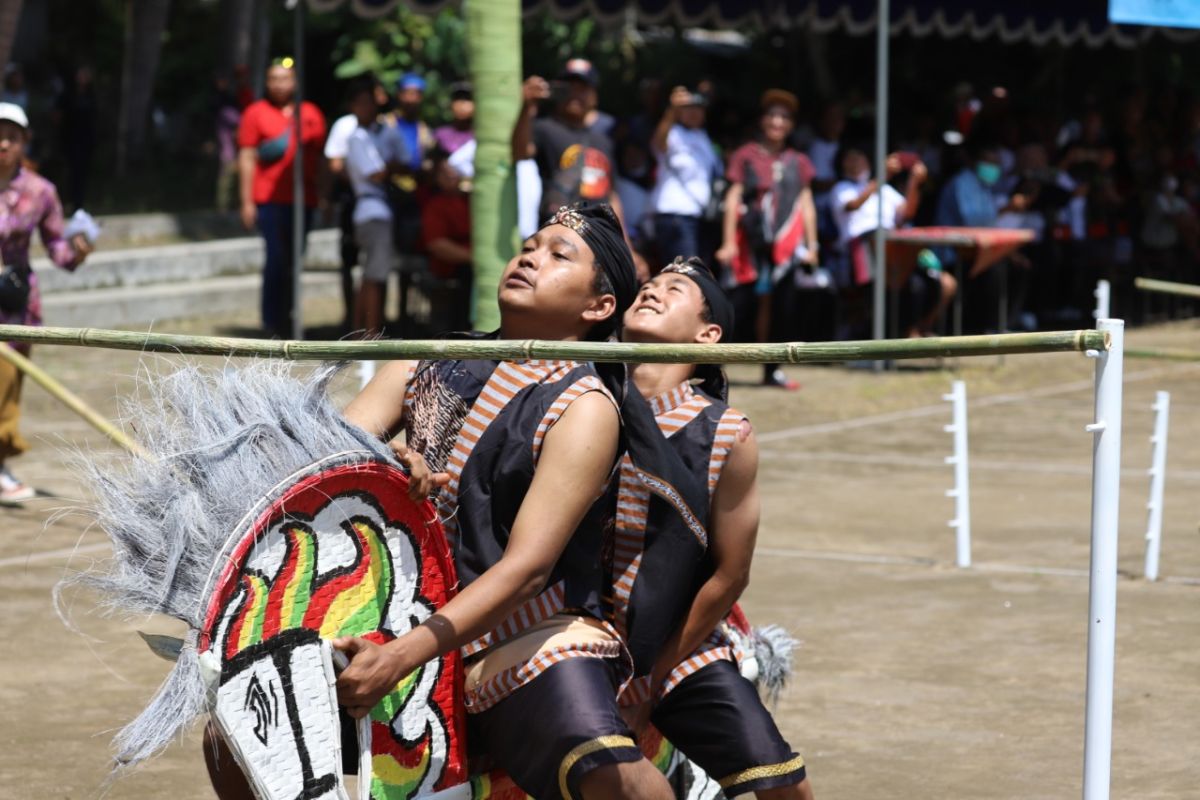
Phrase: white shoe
{"type": "Point", "coordinates": [12, 490]}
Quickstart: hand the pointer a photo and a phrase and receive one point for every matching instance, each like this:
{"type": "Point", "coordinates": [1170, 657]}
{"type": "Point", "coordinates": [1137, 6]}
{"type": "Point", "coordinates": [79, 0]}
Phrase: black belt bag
{"type": "Point", "coordinates": [14, 287]}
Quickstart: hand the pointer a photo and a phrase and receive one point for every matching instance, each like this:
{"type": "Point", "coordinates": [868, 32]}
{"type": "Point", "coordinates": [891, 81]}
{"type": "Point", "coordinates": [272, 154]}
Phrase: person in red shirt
{"type": "Point", "coordinates": [266, 153]}
{"type": "Point", "coordinates": [446, 230]}
{"type": "Point", "coordinates": [770, 225]}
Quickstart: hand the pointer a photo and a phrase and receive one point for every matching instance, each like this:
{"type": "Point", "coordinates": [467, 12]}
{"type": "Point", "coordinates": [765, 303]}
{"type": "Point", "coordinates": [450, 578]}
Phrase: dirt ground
{"type": "Point", "coordinates": [915, 679]}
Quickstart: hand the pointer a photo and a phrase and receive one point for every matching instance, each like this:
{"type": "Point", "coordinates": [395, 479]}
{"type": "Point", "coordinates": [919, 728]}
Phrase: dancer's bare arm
{"type": "Point", "coordinates": [576, 460]}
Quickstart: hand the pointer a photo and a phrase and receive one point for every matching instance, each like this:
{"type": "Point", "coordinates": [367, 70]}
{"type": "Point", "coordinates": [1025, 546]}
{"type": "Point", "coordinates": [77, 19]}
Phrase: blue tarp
{"type": "Point", "coordinates": [1064, 22]}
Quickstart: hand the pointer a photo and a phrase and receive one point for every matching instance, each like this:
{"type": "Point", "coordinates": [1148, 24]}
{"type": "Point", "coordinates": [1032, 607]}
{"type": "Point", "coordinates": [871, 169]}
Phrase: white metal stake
{"type": "Point", "coordinates": [962, 490]}
{"type": "Point", "coordinates": [1103, 295]}
{"type": "Point", "coordinates": [1102, 597]}
{"type": "Point", "coordinates": [1158, 477]}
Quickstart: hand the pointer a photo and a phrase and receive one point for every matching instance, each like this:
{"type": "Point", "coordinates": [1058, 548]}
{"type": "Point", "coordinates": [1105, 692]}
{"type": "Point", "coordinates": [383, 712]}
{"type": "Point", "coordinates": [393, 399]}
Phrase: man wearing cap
{"type": "Point", "coordinates": [266, 152]}
{"type": "Point", "coordinates": [28, 203]}
{"type": "Point", "coordinates": [687, 678]}
{"type": "Point", "coordinates": [460, 129]}
{"type": "Point", "coordinates": [575, 161]}
{"type": "Point", "coordinates": [770, 226]}
{"type": "Point", "coordinates": [410, 94]}
{"type": "Point", "coordinates": [687, 165]}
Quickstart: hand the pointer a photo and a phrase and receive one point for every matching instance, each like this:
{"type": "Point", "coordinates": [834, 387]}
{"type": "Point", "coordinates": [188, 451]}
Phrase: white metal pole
{"type": "Point", "coordinates": [1158, 477]}
{"type": "Point", "coordinates": [1102, 597]}
{"type": "Point", "coordinates": [298, 208]}
{"type": "Point", "coordinates": [962, 490]}
{"type": "Point", "coordinates": [883, 20]}
{"type": "Point", "coordinates": [1103, 295]}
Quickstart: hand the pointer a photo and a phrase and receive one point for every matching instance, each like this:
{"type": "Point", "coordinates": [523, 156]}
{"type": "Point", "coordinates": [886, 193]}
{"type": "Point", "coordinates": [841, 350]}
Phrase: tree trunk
{"type": "Point", "coordinates": [494, 52]}
{"type": "Point", "coordinates": [238, 34]}
{"type": "Point", "coordinates": [145, 23]}
{"type": "Point", "coordinates": [10, 17]}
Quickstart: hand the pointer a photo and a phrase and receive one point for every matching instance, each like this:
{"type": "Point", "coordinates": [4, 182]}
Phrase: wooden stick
{"type": "Point", "coordinates": [789, 353]}
{"type": "Point", "coordinates": [1167, 287]}
{"type": "Point", "coordinates": [70, 400]}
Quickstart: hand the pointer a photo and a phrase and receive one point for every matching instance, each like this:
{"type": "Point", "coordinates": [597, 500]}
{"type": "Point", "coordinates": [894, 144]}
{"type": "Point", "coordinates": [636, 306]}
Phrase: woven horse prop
{"type": "Point", "coordinates": [270, 525]}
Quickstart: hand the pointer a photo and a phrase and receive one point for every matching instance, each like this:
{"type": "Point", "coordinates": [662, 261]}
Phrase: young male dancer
{"type": "Point", "coordinates": [529, 448]}
{"type": "Point", "coordinates": [694, 693]}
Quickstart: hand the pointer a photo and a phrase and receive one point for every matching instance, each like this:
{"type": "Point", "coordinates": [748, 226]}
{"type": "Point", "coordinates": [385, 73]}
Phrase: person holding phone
{"type": "Point", "coordinates": [856, 201]}
{"type": "Point", "coordinates": [688, 163]}
{"type": "Point", "coordinates": [576, 162]}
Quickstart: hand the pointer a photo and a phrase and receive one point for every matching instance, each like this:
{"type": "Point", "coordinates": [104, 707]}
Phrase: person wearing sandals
{"type": "Point", "coordinates": [28, 202]}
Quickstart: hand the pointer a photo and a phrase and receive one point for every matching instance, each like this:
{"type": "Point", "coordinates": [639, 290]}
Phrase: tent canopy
{"type": "Point", "coordinates": [1064, 22]}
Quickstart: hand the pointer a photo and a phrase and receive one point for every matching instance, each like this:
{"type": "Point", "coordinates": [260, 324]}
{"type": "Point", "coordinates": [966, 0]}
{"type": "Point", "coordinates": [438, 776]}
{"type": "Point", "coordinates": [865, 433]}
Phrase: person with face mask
{"type": "Point", "coordinates": [972, 199]}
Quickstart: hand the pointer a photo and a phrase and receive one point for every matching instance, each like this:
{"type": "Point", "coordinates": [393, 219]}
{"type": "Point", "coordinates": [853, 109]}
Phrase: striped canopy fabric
{"type": "Point", "coordinates": [1064, 22]}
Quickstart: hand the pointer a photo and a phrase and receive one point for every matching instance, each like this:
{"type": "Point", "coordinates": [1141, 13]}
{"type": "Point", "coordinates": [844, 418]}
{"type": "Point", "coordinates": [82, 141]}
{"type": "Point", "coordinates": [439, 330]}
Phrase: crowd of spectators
{"type": "Point", "coordinates": [785, 202]}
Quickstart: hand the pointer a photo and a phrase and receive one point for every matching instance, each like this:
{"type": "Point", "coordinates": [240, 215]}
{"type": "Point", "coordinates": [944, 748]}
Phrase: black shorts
{"type": "Point", "coordinates": [716, 718]}
{"type": "Point", "coordinates": [557, 728]}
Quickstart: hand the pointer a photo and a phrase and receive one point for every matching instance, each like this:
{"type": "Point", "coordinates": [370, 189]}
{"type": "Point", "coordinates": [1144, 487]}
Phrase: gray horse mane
{"type": "Point", "coordinates": [220, 439]}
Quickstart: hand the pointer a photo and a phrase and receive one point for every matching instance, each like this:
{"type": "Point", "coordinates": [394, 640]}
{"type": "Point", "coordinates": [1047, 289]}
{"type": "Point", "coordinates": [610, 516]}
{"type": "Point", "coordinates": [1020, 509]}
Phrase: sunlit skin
{"type": "Point", "coordinates": [550, 286]}
{"type": "Point", "coordinates": [280, 85]}
{"type": "Point", "coordinates": [669, 308]}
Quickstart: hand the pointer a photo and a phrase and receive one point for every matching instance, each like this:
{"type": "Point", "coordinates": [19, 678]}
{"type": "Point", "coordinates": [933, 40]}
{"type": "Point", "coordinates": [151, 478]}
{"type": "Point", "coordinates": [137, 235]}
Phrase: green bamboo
{"type": "Point", "coordinates": [1164, 355]}
{"type": "Point", "coordinates": [789, 353]}
{"type": "Point", "coordinates": [494, 51]}
{"type": "Point", "coordinates": [1167, 287]}
{"type": "Point", "coordinates": [70, 399]}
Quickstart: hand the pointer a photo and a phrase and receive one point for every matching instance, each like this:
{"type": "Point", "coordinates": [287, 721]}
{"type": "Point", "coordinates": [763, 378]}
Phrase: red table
{"type": "Point", "coordinates": [982, 248]}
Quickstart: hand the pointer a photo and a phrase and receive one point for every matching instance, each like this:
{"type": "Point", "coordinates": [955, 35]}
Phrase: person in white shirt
{"type": "Point", "coordinates": [373, 152]}
{"type": "Point", "coordinates": [856, 201]}
{"type": "Point", "coordinates": [343, 195]}
{"type": "Point", "coordinates": [687, 164]}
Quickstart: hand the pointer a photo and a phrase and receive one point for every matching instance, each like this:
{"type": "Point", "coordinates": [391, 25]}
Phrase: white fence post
{"type": "Point", "coordinates": [366, 371]}
{"type": "Point", "coordinates": [1158, 477]}
{"type": "Point", "coordinates": [1103, 295]}
{"type": "Point", "coordinates": [1102, 596]}
{"type": "Point", "coordinates": [962, 490]}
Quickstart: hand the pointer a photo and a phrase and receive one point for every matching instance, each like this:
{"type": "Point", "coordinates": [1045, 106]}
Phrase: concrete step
{"type": "Point", "coordinates": [176, 263]}
{"type": "Point", "coordinates": [133, 305]}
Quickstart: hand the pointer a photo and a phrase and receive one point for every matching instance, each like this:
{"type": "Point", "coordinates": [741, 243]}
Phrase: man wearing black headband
{"type": "Point", "coordinates": [528, 447]}
{"type": "Point", "coordinates": [687, 680]}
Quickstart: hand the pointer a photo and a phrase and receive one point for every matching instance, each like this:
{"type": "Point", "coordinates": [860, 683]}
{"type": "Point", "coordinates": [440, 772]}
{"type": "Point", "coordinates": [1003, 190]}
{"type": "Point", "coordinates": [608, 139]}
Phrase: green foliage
{"type": "Point", "coordinates": [432, 46]}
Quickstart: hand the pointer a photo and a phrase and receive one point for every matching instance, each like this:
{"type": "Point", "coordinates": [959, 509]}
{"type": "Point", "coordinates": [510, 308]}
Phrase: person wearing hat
{"type": "Point", "coordinates": [266, 152]}
{"type": "Point", "coordinates": [410, 95]}
{"type": "Point", "coordinates": [683, 660]}
{"type": "Point", "coordinates": [576, 160]}
{"type": "Point", "coordinates": [28, 203]}
{"type": "Point", "coordinates": [770, 226]}
{"type": "Point", "coordinates": [688, 164]}
{"type": "Point", "coordinates": [460, 130]}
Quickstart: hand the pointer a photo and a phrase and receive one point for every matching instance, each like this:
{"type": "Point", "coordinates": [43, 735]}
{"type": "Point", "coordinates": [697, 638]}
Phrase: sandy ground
{"type": "Point", "coordinates": [916, 679]}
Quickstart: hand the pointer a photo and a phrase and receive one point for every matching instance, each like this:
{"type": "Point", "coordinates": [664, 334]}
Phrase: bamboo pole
{"type": "Point", "coordinates": [1165, 355]}
{"type": "Point", "coordinates": [790, 353]}
{"type": "Point", "coordinates": [70, 400]}
{"type": "Point", "coordinates": [1167, 287]}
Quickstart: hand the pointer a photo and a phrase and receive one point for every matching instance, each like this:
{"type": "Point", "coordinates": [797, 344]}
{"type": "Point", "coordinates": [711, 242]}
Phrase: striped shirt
{"type": "Point", "coordinates": [484, 423]}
